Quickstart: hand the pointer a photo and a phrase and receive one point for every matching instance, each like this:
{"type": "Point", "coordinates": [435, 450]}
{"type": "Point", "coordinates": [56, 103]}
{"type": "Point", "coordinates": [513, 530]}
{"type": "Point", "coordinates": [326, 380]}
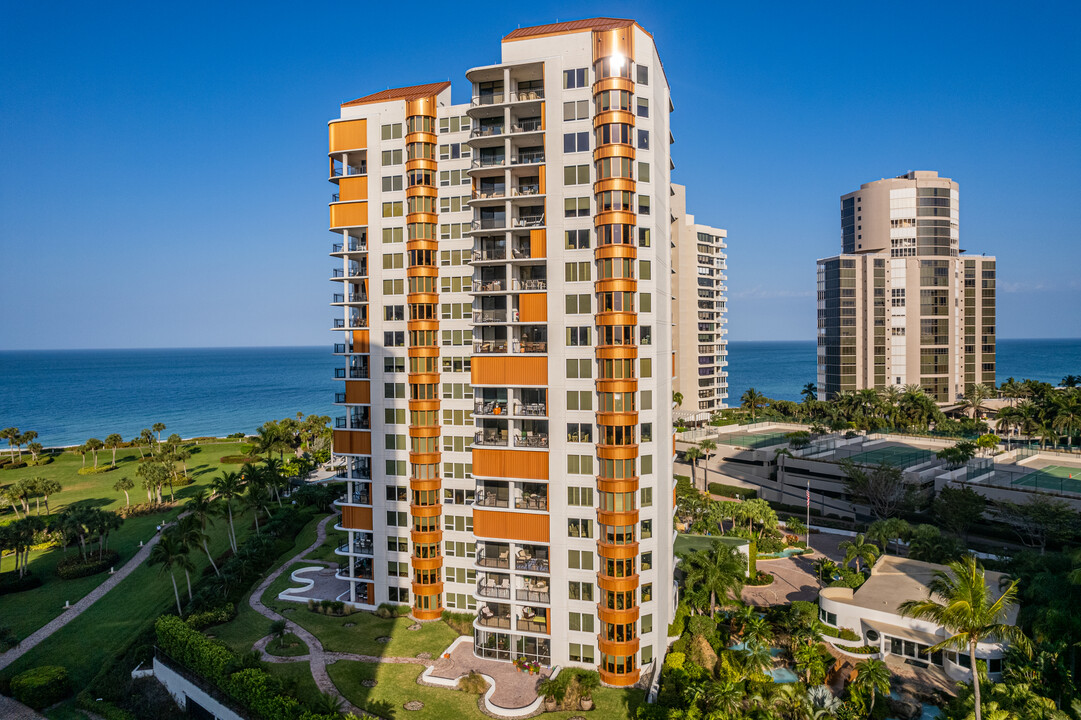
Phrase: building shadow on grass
{"type": "Point", "coordinates": [92, 502]}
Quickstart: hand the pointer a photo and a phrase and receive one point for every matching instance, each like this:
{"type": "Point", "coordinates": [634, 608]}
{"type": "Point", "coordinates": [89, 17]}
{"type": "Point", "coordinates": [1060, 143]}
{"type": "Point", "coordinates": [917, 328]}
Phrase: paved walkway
{"type": "Point", "coordinates": [317, 657]}
{"type": "Point", "coordinates": [513, 689]}
{"type": "Point", "coordinates": [81, 606]}
{"type": "Point", "coordinates": [14, 710]}
{"type": "Point", "coordinates": [794, 578]}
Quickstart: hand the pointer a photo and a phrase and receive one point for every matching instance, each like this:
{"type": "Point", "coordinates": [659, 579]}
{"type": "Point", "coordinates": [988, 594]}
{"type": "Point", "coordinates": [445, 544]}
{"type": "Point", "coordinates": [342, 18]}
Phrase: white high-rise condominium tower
{"type": "Point", "coordinates": [506, 345]}
{"type": "Point", "coordinates": [901, 305]}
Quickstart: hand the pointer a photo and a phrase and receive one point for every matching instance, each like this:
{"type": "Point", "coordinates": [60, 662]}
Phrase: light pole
{"type": "Point", "coordinates": [808, 513]}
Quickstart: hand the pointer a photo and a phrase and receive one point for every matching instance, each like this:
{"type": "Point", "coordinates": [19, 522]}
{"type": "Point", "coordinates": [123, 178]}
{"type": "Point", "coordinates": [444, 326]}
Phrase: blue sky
{"type": "Point", "coordinates": [163, 165]}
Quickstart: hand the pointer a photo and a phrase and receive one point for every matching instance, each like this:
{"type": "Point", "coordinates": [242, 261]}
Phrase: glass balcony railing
{"type": "Point", "coordinates": [529, 221]}
{"type": "Point", "coordinates": [486, 131]}
{"type": "Point", "coordinates": [528, 158]}
{"type": "Point", "coordinates": [492, 588]}
{"type": "Point", "coordinates": [531, 441]}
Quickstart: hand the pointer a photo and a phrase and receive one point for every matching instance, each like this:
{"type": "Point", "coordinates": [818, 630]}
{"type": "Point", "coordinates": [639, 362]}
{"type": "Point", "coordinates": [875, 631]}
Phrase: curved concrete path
{"type": "Point", "coordinates": [81, 606]}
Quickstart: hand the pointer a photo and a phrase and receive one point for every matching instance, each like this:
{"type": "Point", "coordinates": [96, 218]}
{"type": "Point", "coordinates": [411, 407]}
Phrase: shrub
{"type": "Point", "coordinates": [74, 567]}
{"type": "Point", "coordinates": [208, 618]}
{"type": "Point", "coordinates": [95, 470]}
{"type": "Point", "coordinates": [473, 683]}
{"type": "Point", "coordinates": [760, 578]}
{"type": "Point", "coordinates": [674, 661]}
{"type": "Point", "coordinates": [461, 623]}
{"type": "Point", "coordinates": [732, 491]}
{"type": "Point", "coordinates": [679, 621]}
{"type": "Point", "coordinates": [140, 509]}
{"type": "Point", "coordinates": [192, 649]}
{"type": "Point", "coordinates": [237, 459]}
{"type": "Point", "coordinates": [386, 610]}
{"type": "Point", "coordinates": [42, 686]}
{"type": "Point", "coordinates": [702, 625]}
{"type": "Point", "coordinates": [10, 582]}
{"type": "Point", "coordinates": [15, 465]}
{"type": "Point", "coordinates": [768, 544]}
{"type": "Point", "coordinates": [43, 460]}
{"type": "Point", "coordinates": [842, 633]}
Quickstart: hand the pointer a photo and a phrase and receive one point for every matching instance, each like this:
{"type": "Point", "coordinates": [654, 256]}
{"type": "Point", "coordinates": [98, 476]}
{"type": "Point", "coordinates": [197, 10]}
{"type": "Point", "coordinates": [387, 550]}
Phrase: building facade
{"type": "Point", "coordinates": [701, 310]}
{"type": "Point", "coordinates": [506, 349]}
{"type": "Point", "coordinates": [902, 305]}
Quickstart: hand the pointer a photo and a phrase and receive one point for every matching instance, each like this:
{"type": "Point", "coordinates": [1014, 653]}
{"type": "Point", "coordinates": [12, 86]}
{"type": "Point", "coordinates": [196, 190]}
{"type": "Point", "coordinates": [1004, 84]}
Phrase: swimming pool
{"type": "Point", "coordinates": [787, 552]}
{"type": "Point", "coordinates": [773, 651]}
{"type": "Point", "coordinates": [783, 675]}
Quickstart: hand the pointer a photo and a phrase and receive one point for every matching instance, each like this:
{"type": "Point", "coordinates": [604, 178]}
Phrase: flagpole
{"type": "Point", "coordinates": [808, 513]}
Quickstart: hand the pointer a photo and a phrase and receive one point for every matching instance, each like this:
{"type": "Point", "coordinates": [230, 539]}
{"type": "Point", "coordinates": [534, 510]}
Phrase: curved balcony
{"type": "Point", "coordinates": [357, 548]}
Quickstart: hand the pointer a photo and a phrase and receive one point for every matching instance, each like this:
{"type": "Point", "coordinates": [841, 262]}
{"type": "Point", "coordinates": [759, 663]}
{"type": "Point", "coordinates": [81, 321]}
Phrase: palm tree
{"type": "Point", "coordinates": [255, 500]}
{"type": "Point", "coordinates": [158, 428]}
{"type": "Point", "coordinates": [707, 447]}
{"type": "Point", "coordinates": [859, 549]}
{"type": "Point", "coordinates": [752, 400]}
{"type": "Point", "coordinates": [757, 632]}
{"type": "Point", "coordinates": [10, 434]}
{"type": "Point", "coordinates": [809, 392]}
{"type": "Point", "coordinates": [692, 456]}
{"type": "Point", "coordinates": [146, 437]}
{"type": "Point", "coordinates": [93, 445]}
{"type": "Point", "coordinates": [975, 397]}
{"type": "Point", "coordinates": [24, 439]}
{"type": "Point", "coordinates": [717, 574]}
{"type": "Point", "coordinates": [169, 553]}
{"type": "Point", "coordinates": [124, 484]}
{"type": "Point", "coordinates": [203, 509]}
{"type": "Point", "coordinates": [873, 677]}
{"type": "Point", "coordinates": [1068, 419]}
{"type": "Point", "coordinates": [35, 449]}
{"type": "Point", "coordinates": [968, 613]}
{"type": "Point", "coordinates": [273, 479]}
{"type": "Point", "coordinates": [278, 628]}
{"type": "Point", "coordinates": [677, 398]}
{"type": "Point", "coordinates": [11, 496]}
{"type": "Point", "coordinates": [328, 704]}
{"type": "Point", "coordinates": [114, 441]}
{"type": "Point", "coordinates": [228, 487]}
{"type": "Point", "coordinates": [48, 487]}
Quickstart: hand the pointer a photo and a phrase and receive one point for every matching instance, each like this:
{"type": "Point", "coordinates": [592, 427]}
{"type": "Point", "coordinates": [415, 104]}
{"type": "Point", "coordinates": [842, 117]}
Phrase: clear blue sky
{"type": "Point", "coordinates": [163, 165]}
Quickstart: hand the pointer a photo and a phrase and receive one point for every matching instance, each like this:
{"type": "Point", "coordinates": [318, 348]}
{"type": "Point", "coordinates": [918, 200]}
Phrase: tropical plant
{"type": "Point", "coordinates": [114, 441]}
{"type": "Point", "coordinates": [278, 629]}
{"type": "Point", "coordinates": [35, 449]}
{"type": "Point", "coordinates": [203, 509]}
{"type": "Point", "coordinates": [124, 484]}
{"type": "Point", "coordinates": [714, 577]}
{"type": "Point", "coordinates": [47, 487]}
{"type": "Point", "coordinates": [968, 612]}
{"type": "Point", "coordinates": [752, 400]}
{"type": "Point", "coordinates": [883, 532]}
{"type": "Point", "coordinates": [93, 445]}
{"type": "Point", "coordinates": [10, 434]}
{"type": "Point", "coordinates": [859, 549]}
{"type": "Point", "coordinates": [882, 487]}
{"type": "Point", "coordinates": [677, 398]}
{"type": "Point", "coordinates": [872, 679]}
{"type": "Point", "coordinates": [692, 455]}
{"type": "Point", "coordinates": [158, 428]}
{"type": "Point", "coordinates": [708, 447]}
{"type": "Point", "coordinates": [809, 392]}
{"type": "Point", "coordinates": [228, 487]}
{"type": "Point", "coordinates": [170, 553]}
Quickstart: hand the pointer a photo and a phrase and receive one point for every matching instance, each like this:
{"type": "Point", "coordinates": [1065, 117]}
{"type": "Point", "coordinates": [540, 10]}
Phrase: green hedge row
{"type": "Point", "coordinates": [238, 459]}
{"type": "Point", "coordinates": [42, 686]}
{"type": "Point", "coordinates": [10, 582]}
{"type": "Point", "coordinates": [95, 470]}
{"type": "Point", "coordinates": [732, 491]}
{"type": "Point", "coordinates": [75, 567]}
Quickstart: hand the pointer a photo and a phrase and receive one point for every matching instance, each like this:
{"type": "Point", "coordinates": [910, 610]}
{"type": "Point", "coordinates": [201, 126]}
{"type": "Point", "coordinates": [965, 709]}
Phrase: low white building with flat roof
{"type": "Point", "coordinates": [874, 613]}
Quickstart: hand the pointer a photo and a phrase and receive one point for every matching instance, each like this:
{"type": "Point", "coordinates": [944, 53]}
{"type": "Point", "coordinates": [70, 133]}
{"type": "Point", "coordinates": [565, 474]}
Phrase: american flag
{"type": "Point", "coordinates": [808, 497]}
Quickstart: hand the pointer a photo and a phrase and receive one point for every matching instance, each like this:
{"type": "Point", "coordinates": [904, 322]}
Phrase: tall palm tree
{"type": "Point", "coordinates": [752, 400]}
{"type": "Point", "coordinates": [255, 500]}
{"type": "Point", "coordinates": [146, 437]}
{"type": "Point", "coordinates": [203, 509]}
{"type": "Point", "coordinates": [170, 554]}
{"type": "Point", "coordinates": [967, 613]}
{"type": "Point", "coordinates": [692, 455]}
{"type": "Point", "coordinates": [757, 632]}
{"type": "Point", "coordinates": [707, 447]}
{"type": "Point", "coordinates": [715, 576]}
{"type": "Point", "coordinates": [873, 677]}
{"type": "Point", "coordinates": [1068, 419]}
{"type": "Point", "coordinates": [10, 434]}
{"type": "Point", "coordinates": [859, 549]}
{"type": "Point", "coordinates": [25, 439]}
{"type": "Point", "coordinates": [114, 441]}
{"type": "Point", "coordinates": [47, 487]}
{"type": "Point", "coordinates": [809, 392]}
{"type": "Point", "coordinates": [158, 428]}
{"type": "Point", "coordinates": [228, 487]}
{"type": "Point", "coordinates": [124, 484]}
{"type": "Point", "coordinates": [93, 445]}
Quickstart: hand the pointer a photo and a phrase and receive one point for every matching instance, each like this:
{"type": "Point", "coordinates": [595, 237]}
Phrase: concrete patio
{"type": "Point", "coordinates": [513, 689]}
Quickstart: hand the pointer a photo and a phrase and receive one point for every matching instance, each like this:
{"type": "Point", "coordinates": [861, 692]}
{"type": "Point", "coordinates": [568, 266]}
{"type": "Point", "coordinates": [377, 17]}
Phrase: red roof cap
{"type": "Point", "coordinates": [412, 92]}
{"type": "Point", "coordinates": [601, 23]}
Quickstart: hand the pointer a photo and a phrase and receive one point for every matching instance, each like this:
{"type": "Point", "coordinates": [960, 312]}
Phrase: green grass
{"type": "Point", "coordinates": [433, 637]}
{"type": "Point", "coordinates": [27, 611]}
{"type": "Point", "coordinates": [697, 543]}
{"type": "Point", "coordinates": [326, 550]}
{"type": "Point", "coordinates": [397, 685]}
{"type": "Point", "coordinates": [65, 711]}
{"type": "Point", "coordinates": [298, 679]}
{"type": "Point", "coordinates": [112, 622]}
{"type": "Point", "coordinates": [241, 632]}
{"type": "Point", "coordinates": [291, 646]}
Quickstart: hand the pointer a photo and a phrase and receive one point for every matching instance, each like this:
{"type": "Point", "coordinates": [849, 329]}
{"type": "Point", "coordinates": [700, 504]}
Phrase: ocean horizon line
{"type": "Point", "coordinates": [305, 347]}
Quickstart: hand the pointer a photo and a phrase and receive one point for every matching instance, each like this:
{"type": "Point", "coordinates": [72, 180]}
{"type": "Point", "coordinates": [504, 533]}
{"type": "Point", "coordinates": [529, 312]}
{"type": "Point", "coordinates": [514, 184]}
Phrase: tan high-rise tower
{"type": "Point", "coordinates": [902, 305]}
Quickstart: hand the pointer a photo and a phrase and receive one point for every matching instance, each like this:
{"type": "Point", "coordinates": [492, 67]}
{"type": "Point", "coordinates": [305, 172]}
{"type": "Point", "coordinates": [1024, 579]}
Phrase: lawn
{"type": "Point", "coordinates": [289, 646]}
{"type": "Point", "coordinates": [298, 680]}
{"type": "Point", "coordinates": [109, 625]}
{"type": "Point", "coordinates": [27, 611]}
{"type": "Point", "coordinates": [397, 685]}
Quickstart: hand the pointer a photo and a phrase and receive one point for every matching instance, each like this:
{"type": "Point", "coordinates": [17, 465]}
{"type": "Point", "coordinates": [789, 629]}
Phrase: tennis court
{"type": "Point", "coordinates": [753, 440]}
{"type": "Point", "coordinates": [1053, 477]}
{"type": "Point", "coordinates": [894, 455]}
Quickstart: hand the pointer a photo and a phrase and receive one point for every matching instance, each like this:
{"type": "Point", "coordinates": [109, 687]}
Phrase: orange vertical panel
{"type": "Point", "coordinates": [360, 340]}
{"type": "Point", "coordinates": [353, 187]}
{"type": "Point", "coordinates": [522, 464]}
{"type": "Point", "coordinates": [533, 308]}
{"type": "Point", "coordinates": [538, 243]}
{"type": "Point", "coordinates": [357, 518]}
{"type": "Point", "coordinates": [542, 180]}
{"type": "Point", "coordinates": [353, 442]}
{"type": "Point", "coordinates": [358, 392]}
{"type": "Point", "coordinates": [348, 135]}
{"type": "Point", "coordinates": [514, 371]}
{"type": "Point", "coordinates": [511, 526]}
{"type": "Point", "coordinates": [349, 214]}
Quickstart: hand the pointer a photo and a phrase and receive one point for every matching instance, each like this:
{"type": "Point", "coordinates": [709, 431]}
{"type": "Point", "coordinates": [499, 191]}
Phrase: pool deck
{"type": "Point", "coordinates": [513, 689]}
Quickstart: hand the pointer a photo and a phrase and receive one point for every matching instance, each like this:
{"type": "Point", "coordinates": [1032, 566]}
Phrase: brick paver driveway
{"type": "Point", "coordinates": [793, 579]}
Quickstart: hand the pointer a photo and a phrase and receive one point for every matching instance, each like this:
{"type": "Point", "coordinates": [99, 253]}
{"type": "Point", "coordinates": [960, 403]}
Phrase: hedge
{"type": "Point", "coordinates": [95, 470]}
{"type": "Point", "coordinates": [237, 459]}
{"type": "Point", "coordinates": [13, 465]}
{"type": "Point", "coordinates": [216, 616]}
{"type": "Point", "coordinates": [76, 567]}
{"type": "Point", "coordinates": [42, 686]}
{"type": "Point", "coordinates": [140, 509]}
{"type": "Point", "coordinates": [843, 633]}
{"type": "Point", "coordinates": [731, 491]}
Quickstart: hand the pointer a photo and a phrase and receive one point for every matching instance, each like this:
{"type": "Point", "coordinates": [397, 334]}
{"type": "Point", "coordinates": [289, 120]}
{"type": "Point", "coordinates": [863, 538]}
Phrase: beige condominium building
{"type": "Point", "coordinates": [700, 311]}
{"type": "Point", "coordinates": [506, 349]}
{"type": "Point", "coordinates": [903, 304]}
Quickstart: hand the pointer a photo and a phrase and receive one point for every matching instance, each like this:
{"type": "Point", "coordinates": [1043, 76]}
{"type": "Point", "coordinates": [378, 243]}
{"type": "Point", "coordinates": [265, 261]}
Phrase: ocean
{"type": "Point", "coordinates": [69, 396]}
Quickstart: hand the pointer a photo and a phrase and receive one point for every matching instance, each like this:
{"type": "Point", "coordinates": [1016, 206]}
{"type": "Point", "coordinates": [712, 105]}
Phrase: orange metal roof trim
{"type": "Point", "coordinates": [412, 92]}
{"type": "Point", "coordinates": [573, 26]}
